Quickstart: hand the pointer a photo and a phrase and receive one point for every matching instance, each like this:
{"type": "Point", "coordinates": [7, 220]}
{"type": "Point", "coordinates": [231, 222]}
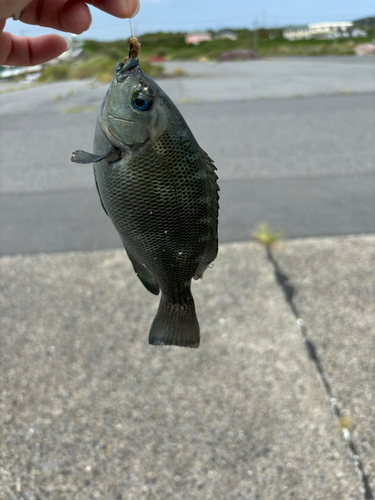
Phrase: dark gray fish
{"type": "Point", "coordinates": [160, 190]}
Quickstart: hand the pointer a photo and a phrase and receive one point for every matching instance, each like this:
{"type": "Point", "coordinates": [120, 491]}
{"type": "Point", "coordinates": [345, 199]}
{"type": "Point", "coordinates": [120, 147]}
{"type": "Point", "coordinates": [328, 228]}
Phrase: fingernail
{"type": "Point", "coordinates": [136, 10]}
{"type": "Point", "coordinates": [67, 44]}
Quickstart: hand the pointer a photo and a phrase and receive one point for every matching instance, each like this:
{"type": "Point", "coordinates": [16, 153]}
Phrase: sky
{"type": "Point", "coordinates": [192, 15]}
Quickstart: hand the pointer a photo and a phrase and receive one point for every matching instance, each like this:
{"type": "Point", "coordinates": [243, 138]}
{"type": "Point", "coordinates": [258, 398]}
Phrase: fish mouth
{"type": "Point", "coordinates": [123, 70]}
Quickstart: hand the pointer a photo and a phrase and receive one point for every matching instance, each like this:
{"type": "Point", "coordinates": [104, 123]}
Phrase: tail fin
{"type": "Point", "coordinates": [175, 324]}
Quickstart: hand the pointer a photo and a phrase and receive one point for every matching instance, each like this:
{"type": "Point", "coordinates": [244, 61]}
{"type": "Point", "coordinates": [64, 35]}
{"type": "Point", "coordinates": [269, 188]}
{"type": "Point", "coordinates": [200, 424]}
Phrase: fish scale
{"type": "Point", "coordinates": [160, 190]}
{"type": "Point", "coordinates": [164, 193]}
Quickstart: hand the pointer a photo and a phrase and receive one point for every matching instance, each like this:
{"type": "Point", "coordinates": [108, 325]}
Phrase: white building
{"type": "Point", "coordinates": [225, 34]}
{"type": "Point", "coordinates": [297, 33]}
{"type": "Point", "coordinates": [330, 30]}
{"type": "Point", "coordinates": [319, 31]}
{"type": "Point", "coordinates": [198, 37]}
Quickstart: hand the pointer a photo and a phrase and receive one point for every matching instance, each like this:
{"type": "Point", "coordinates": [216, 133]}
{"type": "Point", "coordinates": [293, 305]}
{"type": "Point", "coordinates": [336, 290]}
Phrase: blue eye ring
{"type": "Point", "coordinates": [141, 102]}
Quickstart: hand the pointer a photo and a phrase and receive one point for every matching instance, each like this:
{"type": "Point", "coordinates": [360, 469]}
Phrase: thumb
{"type": "Point", "coordinates": [24, 51]}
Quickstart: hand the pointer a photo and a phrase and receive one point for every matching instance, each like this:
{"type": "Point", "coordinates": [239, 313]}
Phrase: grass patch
{"type": "Point", "coordinates": [60, 72]}
{"type": "Point", "coordinates": [172, 45]}
{"type": "Point", "coordinates": [187, 100]}
{"type": "Point", "coordinates": [78, 109]}
{"type": "Point", "coordinates": [265, 236]}
{"type": "Point", "coordinates": [24, 86]}
{"type": "Point", "coordinates": [98, 59]}
{"type": "Point", "coordinates": [178, 72]}
{"type": "Point", "coordinates": [98, 66]}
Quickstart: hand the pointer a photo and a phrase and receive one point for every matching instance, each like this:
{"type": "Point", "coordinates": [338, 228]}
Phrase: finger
{"type": "Point", "coordinates": [118, 8]}
{"type": "Point", "coordinates": [10, 8]}
{"type": "Point", "coordinates": [66, 15]}
{"type": "Point", "coordinates": [24, 51]}
{"type": "Point", "coordinates": [73, 15]}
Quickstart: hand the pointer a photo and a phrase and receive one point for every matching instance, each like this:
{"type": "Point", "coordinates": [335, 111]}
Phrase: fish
{"type": "Point", "coordinates": [160, 190]}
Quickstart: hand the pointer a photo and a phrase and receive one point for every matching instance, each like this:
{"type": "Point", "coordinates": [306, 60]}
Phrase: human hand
{"type": "Point", "coordinates": [72, 16]}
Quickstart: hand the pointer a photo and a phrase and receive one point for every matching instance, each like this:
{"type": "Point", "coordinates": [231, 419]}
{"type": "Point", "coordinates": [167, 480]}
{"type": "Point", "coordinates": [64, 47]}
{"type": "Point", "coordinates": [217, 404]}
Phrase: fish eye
{"type": "Point", "coordinates": [141, 102]}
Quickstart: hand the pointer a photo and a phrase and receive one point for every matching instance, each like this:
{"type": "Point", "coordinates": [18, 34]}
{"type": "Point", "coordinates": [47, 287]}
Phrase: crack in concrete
{"type": "Point", "coordinates": [288, 289]}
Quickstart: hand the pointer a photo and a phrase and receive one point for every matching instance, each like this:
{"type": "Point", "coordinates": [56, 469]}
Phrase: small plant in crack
{"type": "Point", "coordinates": [345, 422]}
{"type": "Point", "coordinates": [266, 236]}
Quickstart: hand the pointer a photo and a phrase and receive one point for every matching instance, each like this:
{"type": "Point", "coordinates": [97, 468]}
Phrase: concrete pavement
{"type": "Point", "coordinates": [334, 293]}
{"type": "Point", "coordinates": [90, 410]}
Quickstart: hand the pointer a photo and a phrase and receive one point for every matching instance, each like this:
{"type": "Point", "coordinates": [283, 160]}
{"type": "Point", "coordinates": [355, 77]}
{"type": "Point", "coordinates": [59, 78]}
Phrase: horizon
{"type": "Point", "coordinates": [167, 16]}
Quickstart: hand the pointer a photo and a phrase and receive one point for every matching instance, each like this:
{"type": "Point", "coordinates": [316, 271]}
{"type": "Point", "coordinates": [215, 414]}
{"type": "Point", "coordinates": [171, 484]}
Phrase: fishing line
{"type": "Point", "coordinates": [131, 30]}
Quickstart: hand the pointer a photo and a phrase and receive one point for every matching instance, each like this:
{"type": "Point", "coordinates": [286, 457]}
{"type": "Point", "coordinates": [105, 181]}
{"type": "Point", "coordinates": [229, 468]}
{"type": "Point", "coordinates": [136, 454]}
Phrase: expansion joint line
{"type": "Point", "coordinates": [288, 290]}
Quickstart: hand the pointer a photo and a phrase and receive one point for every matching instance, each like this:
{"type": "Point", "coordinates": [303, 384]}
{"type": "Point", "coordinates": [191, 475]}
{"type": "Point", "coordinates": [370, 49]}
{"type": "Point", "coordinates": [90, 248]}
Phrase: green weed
{"type": "Point", "coordinates": [265, 236]}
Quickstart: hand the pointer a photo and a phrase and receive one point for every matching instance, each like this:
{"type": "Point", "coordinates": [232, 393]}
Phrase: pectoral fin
{"type": "Point", "coordinates": [80, 156]}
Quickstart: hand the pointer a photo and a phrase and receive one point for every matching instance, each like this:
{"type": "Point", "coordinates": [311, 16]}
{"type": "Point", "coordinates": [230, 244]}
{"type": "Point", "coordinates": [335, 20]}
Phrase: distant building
{"type": "Point", "coordinates": [319, 31]}
{"type": "Point", "coordinates": [358, 33]}
{"type": "Point", "coordinates": [330, 30]}
{"type": "Point", "coordinates": [198, 37]}
{"type": "Point", "coordinates": [365, 49]}
{"type": "Point", "coordinates": [297, 33]}
{"type": "Point", "coordinates": [11, 71]}
{"type": "Point", "coordinates": [226, 34]}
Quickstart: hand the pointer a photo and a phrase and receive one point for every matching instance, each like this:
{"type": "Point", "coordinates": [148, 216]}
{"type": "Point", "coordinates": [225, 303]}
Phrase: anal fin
{"type": "Point", "coordinates": [147, 280]}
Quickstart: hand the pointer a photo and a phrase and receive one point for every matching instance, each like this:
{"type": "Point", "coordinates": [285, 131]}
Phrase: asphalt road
{"type": "Point", "coordinates": [292, 140]}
